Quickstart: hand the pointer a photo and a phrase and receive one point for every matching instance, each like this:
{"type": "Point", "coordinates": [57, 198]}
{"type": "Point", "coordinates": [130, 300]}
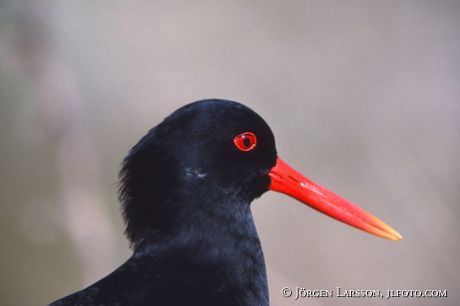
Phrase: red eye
{"type": "Point", "coordinates": [245, 142]}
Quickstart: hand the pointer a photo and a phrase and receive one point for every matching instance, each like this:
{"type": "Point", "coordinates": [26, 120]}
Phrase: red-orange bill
{"type": "Point", "coordinates": [286, 180]}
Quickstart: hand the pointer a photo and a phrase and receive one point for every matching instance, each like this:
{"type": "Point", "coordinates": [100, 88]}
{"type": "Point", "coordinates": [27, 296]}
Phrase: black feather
{"type": "Point", "coordinates": [186, 192]}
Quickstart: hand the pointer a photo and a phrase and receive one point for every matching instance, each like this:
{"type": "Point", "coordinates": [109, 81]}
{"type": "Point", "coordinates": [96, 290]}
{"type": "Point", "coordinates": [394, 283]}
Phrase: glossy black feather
{"type": "Point", "coordinates": [186, 193]}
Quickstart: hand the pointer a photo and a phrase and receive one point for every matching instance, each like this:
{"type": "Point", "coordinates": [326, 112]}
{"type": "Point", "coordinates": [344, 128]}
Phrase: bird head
{"type": "Point", "coordinates": [223, 152]}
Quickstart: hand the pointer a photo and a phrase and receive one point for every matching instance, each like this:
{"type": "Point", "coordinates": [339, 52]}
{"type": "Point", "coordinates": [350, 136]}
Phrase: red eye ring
{"type": "Point", "coordinates": [245, 142]}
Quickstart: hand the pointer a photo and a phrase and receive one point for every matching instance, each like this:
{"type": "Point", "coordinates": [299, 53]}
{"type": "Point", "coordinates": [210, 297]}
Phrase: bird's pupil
{"type": "Point", "coordinates": [247, 141]}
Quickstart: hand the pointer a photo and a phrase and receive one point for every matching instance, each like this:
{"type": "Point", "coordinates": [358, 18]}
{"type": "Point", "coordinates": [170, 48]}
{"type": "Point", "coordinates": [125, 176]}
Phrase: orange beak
{"type": "Point", "coordinates": [286, 180]}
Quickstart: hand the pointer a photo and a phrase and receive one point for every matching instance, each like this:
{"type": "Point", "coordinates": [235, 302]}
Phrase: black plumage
{"type": "Point", "coordinates": [186, 192]}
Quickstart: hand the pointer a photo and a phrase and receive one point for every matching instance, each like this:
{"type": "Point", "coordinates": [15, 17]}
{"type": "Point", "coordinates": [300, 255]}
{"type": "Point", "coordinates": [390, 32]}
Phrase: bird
{"type": "Point", "coordinates": [186, 190]}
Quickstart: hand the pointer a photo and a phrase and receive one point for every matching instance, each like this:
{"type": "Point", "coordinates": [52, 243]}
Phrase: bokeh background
{"type": "Point", "coordinates": [363, 97]}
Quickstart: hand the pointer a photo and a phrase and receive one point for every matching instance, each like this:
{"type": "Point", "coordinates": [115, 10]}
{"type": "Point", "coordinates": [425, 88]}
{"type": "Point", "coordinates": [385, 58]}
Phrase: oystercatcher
{"type": "Point", "coordinates": [186, 190]}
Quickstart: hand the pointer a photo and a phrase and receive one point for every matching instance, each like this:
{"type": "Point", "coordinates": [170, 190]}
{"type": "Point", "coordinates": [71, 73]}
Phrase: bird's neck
{"type": "Point", "coordinates": [215, 225]}
{"type": "Point", "coordinates": [224, 241]}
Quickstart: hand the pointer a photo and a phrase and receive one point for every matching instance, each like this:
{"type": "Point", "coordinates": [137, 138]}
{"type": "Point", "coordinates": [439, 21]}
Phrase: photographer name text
{"type": "Point", "coordinates": [300, 293]}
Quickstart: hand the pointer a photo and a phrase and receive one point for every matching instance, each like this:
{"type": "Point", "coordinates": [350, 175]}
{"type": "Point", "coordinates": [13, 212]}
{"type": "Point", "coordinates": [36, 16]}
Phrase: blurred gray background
{"type": "Point", "coordinates": [363, 97]}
